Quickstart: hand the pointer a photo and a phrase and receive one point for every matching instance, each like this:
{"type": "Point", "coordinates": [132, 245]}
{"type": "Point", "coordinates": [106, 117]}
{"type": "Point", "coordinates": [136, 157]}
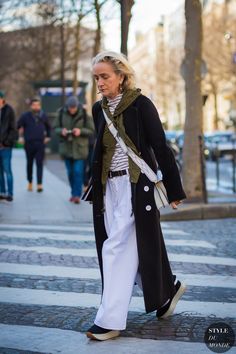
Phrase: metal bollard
{"type": "Point", "coordinates": [217, 166]}
{"type": "Point", "coordinates": [234, 165]}
{"type": "Point", "coordinates": [203, 168]}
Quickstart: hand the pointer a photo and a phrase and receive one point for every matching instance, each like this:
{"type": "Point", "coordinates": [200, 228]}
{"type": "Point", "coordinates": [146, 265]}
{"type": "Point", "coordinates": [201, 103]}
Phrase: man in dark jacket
{"type": "Point", "coordinates": [8, 136]}
{"type": "Point", "coordinates": [37, 132]}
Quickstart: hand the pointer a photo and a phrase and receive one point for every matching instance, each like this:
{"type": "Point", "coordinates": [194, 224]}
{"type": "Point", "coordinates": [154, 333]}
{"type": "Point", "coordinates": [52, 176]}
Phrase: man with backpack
{"type": "Point", "coordinates": [74, 127]}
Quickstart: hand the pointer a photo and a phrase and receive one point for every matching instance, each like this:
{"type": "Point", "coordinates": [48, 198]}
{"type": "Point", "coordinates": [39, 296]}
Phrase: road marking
{"type": "Point", "coordinates": [82, 252]}
{"type": "Point", "coordinates": [49, 236]}
{"type": "Point", "coordinates": [34, 227]}
{"type": "Point", "coordinates": [201, 259]}
{"type": "Point", "coordinates": [190, 243]}
{"type": "Point", "coordinates": [61, 341]}
{"type": "Point", "coordinates": [82, 227]}
{"type": "Point", "coordinates": [72, 299]}
{"type": "Point", "coordinates": [91, 252]}
{"type": "Point", "coordinates": [220, 281]}
{"type": "Point", "coordinates": [176, 232]}
{"type": "Point", "coordinates": [68, 237]}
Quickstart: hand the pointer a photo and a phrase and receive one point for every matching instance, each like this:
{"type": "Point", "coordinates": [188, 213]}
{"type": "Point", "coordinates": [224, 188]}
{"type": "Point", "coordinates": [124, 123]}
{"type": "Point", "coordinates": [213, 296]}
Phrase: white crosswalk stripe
{"type": "Point", "coordinates": [36, 228]}
{"type": "Point", "coordinates": [94, 273]}
{"type": "Point", "coordinates": [58, 341]}
{"type": "Point", "coordinates": [173, 237]}
{"type": "Point", "coordinates": [66, 298]}
{"type": "Point", "coordinates": [80, 237]}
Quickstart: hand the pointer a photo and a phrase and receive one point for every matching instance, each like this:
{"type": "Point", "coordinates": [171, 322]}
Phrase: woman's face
{"type": "Point", "coordinates": [107, 80]}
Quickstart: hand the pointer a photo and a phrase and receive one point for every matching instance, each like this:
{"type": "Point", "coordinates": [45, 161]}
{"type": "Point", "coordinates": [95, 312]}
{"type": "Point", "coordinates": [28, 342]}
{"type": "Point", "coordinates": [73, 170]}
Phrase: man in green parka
{"type": "Point", "coordinates": [74, 127]}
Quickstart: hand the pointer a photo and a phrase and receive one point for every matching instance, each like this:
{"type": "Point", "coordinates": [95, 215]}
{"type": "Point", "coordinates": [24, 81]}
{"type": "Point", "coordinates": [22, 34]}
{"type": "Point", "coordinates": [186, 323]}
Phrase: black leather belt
{"type": "Point", "coordinates": [112, 174]}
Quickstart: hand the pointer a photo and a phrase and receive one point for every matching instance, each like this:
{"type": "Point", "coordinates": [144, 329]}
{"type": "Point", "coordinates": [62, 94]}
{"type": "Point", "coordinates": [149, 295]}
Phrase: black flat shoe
{"type": "Point", "coordinates": [9, 198]}
{"type": "Point", "coordinates": [167, 310]}
{"type": "Point", "coordinates": [99, 333]}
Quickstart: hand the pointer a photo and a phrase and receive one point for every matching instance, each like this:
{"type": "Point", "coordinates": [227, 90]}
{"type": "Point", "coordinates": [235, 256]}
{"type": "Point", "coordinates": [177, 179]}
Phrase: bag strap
{"type": "Point", "coordinates": [60, 117]}
{"type": "Point", "coordinates": [145, 168]}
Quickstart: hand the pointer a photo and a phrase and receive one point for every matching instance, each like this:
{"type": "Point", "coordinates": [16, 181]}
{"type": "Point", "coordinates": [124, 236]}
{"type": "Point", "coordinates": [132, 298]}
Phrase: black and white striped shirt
{"type": "Point", "coordinates": [120, 159]}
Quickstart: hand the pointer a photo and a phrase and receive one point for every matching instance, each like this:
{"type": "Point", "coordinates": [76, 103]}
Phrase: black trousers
{"type": "Point", "coordinates": [35, 150]}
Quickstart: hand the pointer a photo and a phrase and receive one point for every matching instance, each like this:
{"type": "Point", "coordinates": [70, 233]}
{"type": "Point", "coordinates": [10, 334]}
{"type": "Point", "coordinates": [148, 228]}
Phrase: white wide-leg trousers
{"type": "Point", "coordinates": [119, 255]}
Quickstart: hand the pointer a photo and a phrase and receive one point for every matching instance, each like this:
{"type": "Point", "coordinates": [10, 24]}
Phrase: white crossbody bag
{"type": "Point", "coordinates": [160, 194]}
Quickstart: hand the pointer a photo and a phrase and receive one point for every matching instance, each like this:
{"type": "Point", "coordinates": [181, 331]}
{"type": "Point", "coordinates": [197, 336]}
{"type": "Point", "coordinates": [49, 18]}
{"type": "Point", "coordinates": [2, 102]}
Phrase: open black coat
{"type": "Point", "coordinates": [143, 126]}
{"type": "Point", "coordinates": [8, 131]}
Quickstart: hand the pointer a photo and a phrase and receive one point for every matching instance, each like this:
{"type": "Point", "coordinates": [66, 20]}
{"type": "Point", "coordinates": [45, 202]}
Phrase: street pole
{"type": "Point", "coordinates": [203, 168]}
{"type": "Point", "coordinates": [234, 165]}
{"type": "Point", "coordinates": [217, 166]}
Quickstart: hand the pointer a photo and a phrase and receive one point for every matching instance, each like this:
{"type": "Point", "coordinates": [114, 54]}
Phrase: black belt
{"type": "Point", "coordinates": [112, 174]}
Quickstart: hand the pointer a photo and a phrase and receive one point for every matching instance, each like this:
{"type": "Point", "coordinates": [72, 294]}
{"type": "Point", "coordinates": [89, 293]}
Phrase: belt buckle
{"type": "Point", "coordinates": [109, 174]}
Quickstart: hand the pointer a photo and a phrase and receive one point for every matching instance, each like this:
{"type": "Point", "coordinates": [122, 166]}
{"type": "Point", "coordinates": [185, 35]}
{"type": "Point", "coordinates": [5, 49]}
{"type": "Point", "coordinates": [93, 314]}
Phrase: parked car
{"type": "Point", "coordinates": [207, 144]}
{"type": "Point", "coordinates": [171, 136]}
{"type": "Point", "coordinates": [220, 144]}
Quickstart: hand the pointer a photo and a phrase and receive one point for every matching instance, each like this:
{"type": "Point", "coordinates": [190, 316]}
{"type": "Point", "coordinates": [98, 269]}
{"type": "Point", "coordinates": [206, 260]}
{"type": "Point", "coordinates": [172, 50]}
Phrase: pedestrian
{"type": "Point", "coordinates": [74, 128]}
{"type": "Point", "coordinates": [37, 132]}
{"type": "Point", "coordinates": [128, 234]}
{"type": "Point", "coordinates": [8, 137]}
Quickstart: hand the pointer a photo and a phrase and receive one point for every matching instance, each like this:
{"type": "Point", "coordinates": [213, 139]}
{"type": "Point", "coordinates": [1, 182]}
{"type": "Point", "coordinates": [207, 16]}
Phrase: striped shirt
{"type": "Point", "coordinates": [120, 159]}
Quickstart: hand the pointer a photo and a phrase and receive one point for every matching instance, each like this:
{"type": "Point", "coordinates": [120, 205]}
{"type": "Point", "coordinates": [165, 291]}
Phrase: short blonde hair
{"type": "Point", "coordinates": [120, 65]}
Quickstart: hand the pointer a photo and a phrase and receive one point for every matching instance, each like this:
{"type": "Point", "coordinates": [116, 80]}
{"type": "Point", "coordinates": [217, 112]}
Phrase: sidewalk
{"type": "Point", "coordinates": [52, 206]}
{"type": "Point", "coordinates": [220, 205]}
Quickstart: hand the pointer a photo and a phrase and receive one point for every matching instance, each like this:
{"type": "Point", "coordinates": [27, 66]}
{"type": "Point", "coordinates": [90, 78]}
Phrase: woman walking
{"type": "Point", "coordinates": [129, 238]}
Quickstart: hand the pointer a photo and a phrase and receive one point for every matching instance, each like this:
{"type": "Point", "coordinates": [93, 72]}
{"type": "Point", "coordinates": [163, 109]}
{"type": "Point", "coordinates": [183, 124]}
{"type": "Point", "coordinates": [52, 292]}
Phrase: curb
{"type": "Point", "coordinates": [200, 212]}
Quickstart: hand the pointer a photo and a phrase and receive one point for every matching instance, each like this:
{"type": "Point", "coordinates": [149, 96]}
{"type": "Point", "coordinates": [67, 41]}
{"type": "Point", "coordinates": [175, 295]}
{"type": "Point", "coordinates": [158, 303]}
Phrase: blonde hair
{"type": "Point", "coordinates": [120, 65]}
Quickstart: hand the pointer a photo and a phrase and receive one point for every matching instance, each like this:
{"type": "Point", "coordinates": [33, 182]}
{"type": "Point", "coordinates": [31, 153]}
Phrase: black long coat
{"type": "Point", "coordinates": [143, 126]}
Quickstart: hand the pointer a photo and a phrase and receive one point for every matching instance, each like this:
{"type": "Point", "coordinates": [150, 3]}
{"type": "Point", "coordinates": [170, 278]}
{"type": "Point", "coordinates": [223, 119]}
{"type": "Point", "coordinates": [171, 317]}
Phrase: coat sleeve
{"type": "Point", "coordinates": [155, 137]}
{"type": "Point", "coordinates": [21, 121]}
{"type": "Point", "coordinates": [95, 111]}
{"type": "Point", "coordinates": [47, 126]}
{"type": "Point", "coordinates": [56, 124]}
{"type": "Point", "coordinates": [88, 129]}
{"type": "Point", "coordinates": [12, 131]}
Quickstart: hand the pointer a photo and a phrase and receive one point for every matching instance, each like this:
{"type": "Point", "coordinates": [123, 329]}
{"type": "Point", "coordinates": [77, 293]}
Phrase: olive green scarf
{"type": "Point", "coordinates": [109, 142]}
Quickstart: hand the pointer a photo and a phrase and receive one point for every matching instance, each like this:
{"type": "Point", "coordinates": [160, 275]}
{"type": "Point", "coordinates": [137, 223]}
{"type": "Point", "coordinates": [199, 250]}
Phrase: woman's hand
{"type": "Point", "coordinates": [175, 203]}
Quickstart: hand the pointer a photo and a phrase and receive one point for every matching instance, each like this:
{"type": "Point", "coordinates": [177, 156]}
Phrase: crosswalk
{"type": "Point", "coordinates": [78, 242]}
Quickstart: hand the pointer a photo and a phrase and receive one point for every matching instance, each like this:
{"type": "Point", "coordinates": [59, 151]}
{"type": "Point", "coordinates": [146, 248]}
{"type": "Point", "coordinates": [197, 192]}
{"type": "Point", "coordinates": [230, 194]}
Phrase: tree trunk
{"type": "Point", "coordinates": [97, 43]}
{"type": "Point", "coordinates": [192, 167]}
{"type": "Point", "coordinates": [216, 117]}
{"type": "Point", "coordinates": [76, 58]}
{"type": "Point", "coordinates": [63, 84]}
{"type": "Point", "coordinates": [126, 6]}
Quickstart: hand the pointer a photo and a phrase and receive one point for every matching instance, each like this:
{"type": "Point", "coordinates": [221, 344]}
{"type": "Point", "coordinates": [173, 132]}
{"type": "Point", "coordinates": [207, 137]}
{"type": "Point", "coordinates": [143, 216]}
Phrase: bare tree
{"type": "Point", "coordinates": [81, 9]}
{"type": "Point", "coordinates": [219, 30]}
{"type": "Point", "coordinates": [192, 171]}
{"type": "Point", "coordinates": [97, 41]}
{"type": "Point", "coordinates": [40, 49]}
{"type": "Point", "coordinates": [126, 7]}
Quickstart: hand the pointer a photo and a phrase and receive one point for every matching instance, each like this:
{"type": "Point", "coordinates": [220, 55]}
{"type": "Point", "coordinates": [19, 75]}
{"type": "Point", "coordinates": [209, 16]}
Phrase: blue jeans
{"type": "Point", "coordinates": [75, 172]}
{"type": "Point", "coordinates": [5, 169]}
